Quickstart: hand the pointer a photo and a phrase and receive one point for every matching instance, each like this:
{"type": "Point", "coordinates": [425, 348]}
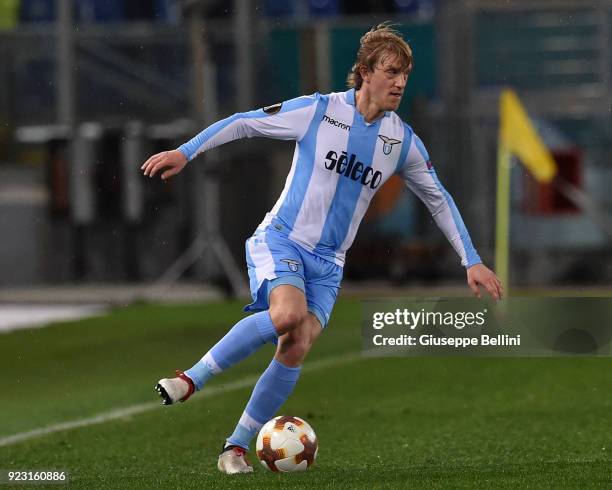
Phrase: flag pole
{"type": "Point", "coordinates": [517, 138]}
{"type": "Point", "coordinates": [502, 225]}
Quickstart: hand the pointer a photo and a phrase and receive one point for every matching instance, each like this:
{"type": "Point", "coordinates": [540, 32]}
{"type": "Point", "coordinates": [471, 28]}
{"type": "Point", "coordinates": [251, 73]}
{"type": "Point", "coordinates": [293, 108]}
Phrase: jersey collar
{"type": "Point", "coordinates": [350, 96]}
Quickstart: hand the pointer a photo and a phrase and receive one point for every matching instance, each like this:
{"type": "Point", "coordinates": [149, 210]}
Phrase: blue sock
{"type": "Point", "coordinates": [248, 335]}
{"type": "Point", "coordinates": [273, 388]}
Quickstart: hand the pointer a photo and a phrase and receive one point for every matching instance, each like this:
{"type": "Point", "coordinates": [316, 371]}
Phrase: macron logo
{"type": "Point", "coordinates": [338, 124]}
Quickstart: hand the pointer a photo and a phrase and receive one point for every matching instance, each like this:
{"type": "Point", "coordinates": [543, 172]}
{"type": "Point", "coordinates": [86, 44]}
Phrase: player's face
{"type": "Point", "coordinates": [387, 84]}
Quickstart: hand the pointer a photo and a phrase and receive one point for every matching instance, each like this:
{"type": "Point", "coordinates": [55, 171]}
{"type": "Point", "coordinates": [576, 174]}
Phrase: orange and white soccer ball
{"type": "Point", "coordinates": [287, 444]}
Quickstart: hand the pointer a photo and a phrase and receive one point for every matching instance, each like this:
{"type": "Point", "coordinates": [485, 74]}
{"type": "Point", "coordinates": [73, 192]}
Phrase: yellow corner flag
{"type": "Point", "coordinates": [517, 136]}
{"type": "Point", "coordinates": [520, 138]}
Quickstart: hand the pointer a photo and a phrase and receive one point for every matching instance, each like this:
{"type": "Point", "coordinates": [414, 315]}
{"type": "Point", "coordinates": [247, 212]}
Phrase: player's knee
{"type": "Point", "coordinates": [294, 347]}
{"type": "Point", "coordinates": [301, 347]}
{"type": "Point", "coordinates": [286, 320]}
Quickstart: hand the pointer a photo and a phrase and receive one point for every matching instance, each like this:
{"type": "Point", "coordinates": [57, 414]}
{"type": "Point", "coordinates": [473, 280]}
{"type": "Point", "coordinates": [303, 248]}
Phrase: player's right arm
{"type": "Point", "coordinates": [288, 121]}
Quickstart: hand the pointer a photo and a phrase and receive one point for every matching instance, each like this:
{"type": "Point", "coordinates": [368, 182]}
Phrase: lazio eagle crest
{"type": "Point", "coordinates": [293, 264]}
{"type": "Point", "coordinates": [388, 143]}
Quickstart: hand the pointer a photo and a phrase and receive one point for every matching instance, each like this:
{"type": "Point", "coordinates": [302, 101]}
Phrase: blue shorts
{"type": "Point", "coordinates": [273, 260]}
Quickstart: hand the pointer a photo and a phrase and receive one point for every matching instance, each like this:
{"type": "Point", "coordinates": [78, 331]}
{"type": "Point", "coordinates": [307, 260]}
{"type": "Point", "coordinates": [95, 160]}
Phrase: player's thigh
{"type": "Point", "coordinates": [287, 298]}
{"type": "Point", "coordinates": [273, 262]}
{"type": "Point", "coordinates": [314, 328]}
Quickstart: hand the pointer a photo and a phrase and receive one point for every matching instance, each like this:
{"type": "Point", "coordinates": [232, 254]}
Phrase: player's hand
{"type": "Point", "coordinates": [479, 275]}
{"type": "Point", "coordinates": [172, 161]}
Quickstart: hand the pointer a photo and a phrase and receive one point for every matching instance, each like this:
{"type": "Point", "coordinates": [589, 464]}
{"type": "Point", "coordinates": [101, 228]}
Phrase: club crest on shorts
{"type": "Point", "coordinates": [273, 109]}
{"type": "Point", "coordinates": [388, 143]}
{"type": "Point", "coordinates": [292, 264]}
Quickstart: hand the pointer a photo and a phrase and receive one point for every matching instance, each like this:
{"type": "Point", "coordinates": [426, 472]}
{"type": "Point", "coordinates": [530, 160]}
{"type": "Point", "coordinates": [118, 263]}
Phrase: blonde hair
{"type": "Point", "coordinates": [378, 44]}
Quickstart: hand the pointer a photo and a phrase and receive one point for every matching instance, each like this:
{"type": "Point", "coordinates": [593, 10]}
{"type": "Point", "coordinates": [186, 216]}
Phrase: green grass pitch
{"type": "Point", "coordinates": [381, 423]}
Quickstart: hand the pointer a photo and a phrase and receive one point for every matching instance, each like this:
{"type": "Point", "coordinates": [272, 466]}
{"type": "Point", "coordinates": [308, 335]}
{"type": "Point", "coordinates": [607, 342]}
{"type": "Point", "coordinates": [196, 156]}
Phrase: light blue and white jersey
{"type": "Point", "coordinates": [339, 163]}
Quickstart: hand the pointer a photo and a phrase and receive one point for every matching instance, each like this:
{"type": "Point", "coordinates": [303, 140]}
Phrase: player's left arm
{"type": "Point", "coordinates": [420, 177]}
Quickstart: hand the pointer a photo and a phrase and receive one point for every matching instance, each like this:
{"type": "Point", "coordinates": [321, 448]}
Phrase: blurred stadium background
{"type": "Point", "coordinates": [92, 87]}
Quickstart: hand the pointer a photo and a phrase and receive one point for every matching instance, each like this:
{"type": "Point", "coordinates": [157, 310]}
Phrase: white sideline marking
{"type": "Point", "coordinates": [145, 407]}
{"type": "Point", "coordinates": [17, 317]}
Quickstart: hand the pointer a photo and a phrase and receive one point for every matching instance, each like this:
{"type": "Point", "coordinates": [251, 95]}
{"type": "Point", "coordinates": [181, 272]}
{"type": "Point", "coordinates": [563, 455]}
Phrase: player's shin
{"type": "Point", "coordinates": [272, 389]}
{"type": "Point", "coordinates": [248, 335]}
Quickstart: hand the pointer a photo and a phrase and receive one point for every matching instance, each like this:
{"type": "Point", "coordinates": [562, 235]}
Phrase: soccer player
{"type": "Point", "coordinates": [347, 145]}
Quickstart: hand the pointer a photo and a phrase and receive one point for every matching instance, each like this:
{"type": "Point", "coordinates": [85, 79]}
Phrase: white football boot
{"type": "Point", "coordinates": [172, 390]}
{"type": "Point", "coordinates": [233, 460]}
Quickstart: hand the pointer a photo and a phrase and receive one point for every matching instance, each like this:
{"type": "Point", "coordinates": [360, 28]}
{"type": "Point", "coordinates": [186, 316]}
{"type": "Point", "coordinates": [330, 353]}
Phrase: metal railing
{"type": "Point", "coordinates": [556, 52]}
{"type": "Point", "coordinates": [118, 73]}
